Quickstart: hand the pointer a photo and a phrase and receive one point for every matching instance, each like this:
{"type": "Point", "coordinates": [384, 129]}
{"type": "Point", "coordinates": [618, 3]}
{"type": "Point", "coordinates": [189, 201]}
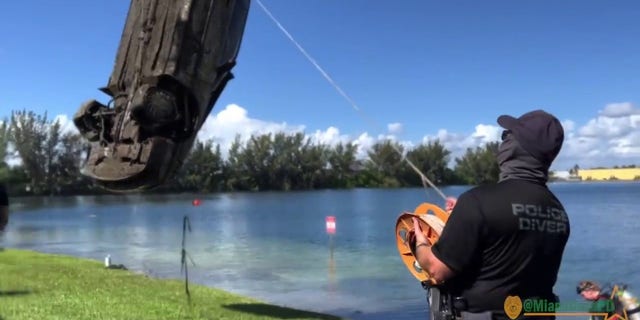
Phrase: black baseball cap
{"type": "Point", "coordinates": [538, 132]}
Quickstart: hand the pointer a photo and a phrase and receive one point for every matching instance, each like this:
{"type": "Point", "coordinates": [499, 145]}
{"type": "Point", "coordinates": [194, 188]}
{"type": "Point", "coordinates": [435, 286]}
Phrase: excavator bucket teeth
{"type": "Point", "coordinates": [174, 60]}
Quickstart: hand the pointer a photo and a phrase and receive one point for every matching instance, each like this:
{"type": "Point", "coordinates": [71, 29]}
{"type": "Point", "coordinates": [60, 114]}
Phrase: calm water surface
{"type": "Point", "coordinates": [273, 246]}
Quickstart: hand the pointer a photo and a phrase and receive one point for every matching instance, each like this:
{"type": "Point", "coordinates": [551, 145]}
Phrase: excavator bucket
{"type": "Point", "coordinates": [174, 60]}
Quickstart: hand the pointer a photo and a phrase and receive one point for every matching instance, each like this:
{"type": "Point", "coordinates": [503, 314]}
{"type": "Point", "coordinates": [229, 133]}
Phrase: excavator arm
{"type": "Point", "coordinates": [174, 59]}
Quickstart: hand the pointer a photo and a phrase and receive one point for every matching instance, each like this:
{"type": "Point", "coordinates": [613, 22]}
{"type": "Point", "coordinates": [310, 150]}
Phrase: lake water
{"type": "Point", "coordinates": [273, 246]}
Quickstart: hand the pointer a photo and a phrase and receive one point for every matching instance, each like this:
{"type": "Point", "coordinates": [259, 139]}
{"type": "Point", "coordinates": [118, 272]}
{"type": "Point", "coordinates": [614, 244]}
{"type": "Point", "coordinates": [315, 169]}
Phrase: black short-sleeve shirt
{"type": "Point", "coordinates": [4, 198]}
{"type": "Point", "coordinates": [504, 239]}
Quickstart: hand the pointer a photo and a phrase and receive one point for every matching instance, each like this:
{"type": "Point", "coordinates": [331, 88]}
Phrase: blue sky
{"type": "Point", "coordinates": [428, 65]}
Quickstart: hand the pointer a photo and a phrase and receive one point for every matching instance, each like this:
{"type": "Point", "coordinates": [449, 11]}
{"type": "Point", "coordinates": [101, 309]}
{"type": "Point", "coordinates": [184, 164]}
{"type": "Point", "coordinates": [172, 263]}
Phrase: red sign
{"type": "Point", "coordinates": [331, 224]}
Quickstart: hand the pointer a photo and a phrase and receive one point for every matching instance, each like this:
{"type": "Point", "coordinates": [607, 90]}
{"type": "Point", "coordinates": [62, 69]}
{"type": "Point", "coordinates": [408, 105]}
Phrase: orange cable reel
{"type": "Point", "coordinates": [432, 219]}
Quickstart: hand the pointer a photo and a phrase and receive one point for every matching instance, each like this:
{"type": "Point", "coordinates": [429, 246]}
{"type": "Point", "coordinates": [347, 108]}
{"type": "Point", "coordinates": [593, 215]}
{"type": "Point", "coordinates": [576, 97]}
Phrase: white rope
{"type": "Point", "coordinates": [344, 94]}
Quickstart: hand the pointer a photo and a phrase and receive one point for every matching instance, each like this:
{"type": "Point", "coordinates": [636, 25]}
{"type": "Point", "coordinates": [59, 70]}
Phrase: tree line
{"type": "Point", "coordinates": [51, 162]}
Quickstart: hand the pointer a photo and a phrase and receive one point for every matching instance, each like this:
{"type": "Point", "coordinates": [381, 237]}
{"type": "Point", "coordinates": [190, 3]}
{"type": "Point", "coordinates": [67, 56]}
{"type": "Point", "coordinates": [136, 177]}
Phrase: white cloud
{"type": "Point", "coordinates": [233, 120]}
{"type": "Point", "coordinates": [568, 125]}
{"type": "Point", "coordinates": [458, 143]}
{"type": "Point", "coordinates": [364, 143]}
{"type": "Point", "coordinates": [611, 138]}
{"type": "Point", "coordinates": [223, 127]}
{"type": "Point", "coordinates": [395, 128]}
{"type": "Point", "coordinates": [66, 124]}
{"type": "Point", "coordinates": [616, 110]}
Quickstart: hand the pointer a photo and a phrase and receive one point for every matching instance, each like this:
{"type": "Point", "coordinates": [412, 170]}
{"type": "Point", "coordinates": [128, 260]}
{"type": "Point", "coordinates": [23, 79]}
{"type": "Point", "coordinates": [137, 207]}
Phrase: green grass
{"type": "Point", "coordinates": [46, 287]}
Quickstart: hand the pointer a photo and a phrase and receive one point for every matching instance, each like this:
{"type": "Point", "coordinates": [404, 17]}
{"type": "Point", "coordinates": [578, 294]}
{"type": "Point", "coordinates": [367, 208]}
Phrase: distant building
{"type": "Point", "coordinates": [609, 174]}
{"type": "Point", "coordinates": [561, 174]}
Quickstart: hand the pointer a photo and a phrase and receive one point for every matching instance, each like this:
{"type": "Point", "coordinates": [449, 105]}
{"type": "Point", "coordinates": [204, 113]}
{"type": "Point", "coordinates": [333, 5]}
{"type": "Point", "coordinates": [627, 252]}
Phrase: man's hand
{"type": "Point", "coordinates": [438, 271]}
{"type": "Point", "coordinates": [450, 203]}
{"type": "Point", "coordinates": [417, 230]}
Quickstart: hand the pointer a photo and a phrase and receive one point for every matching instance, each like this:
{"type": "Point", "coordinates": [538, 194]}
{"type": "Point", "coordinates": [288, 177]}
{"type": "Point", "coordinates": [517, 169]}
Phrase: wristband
{"type": "Point", "coordinates": [422, 244]}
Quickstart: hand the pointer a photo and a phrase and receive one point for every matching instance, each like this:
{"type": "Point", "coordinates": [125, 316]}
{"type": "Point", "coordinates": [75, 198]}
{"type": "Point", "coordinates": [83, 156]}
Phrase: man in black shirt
{"type": "Point", "coordinates": [4, 207]}
{"type": "Point", "coordinates": [505, 239]}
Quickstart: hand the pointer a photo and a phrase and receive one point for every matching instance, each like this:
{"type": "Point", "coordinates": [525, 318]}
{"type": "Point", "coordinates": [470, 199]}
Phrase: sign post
{"type": "Point", "coordinates": [330, 222]}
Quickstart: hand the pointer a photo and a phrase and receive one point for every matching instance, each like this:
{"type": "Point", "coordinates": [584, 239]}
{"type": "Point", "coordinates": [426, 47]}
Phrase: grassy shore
{"type": "Point", "coordinates": [44, 286]}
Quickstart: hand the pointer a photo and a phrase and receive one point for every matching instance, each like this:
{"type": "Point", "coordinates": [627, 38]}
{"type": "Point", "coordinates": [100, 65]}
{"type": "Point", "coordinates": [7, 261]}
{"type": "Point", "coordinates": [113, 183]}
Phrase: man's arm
{"type": "Point", "coordinates": [438, 271]}
{"type": "Point", "coordinates": [458, 244]}
{"type": "Point", "coordinates": [4, 208]}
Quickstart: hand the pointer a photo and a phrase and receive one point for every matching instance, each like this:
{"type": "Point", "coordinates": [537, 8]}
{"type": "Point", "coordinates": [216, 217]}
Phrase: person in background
{"type": "Point", "coordinates": [508, 238]}
{"type": "Point", "coordinates": [602, 299]}
{"type": "Point", "coordinates": [4, 207]}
